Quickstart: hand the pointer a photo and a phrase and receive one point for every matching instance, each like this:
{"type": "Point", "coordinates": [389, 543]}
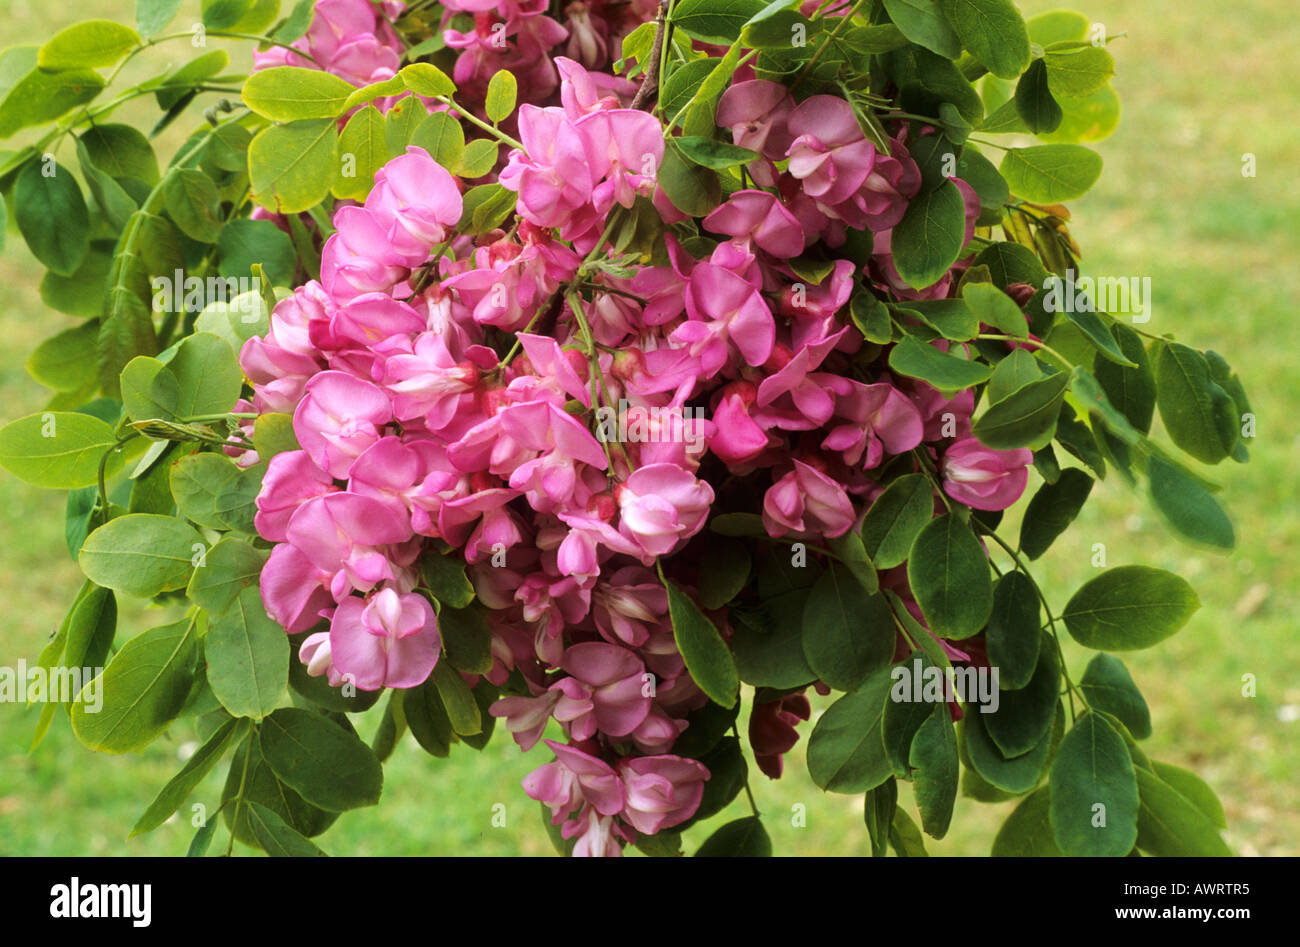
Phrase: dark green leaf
{"type": "Point", "coordinates": [846, 752]}
{"type": "Point", "coordinates": [326, 764]}
{"type": "Point", "coordinates": [949, 575]}
{"type": "Point", "coordinates": [1094, 801]}
{"type": "Point", "coordinates": [1015, 630]}
{"type": "Point", "coordinates": [707, 657]}
{"type": "Point", "coordinates": [1129, 607]}
{"type": "Point", "coordinates": [1107, 686]}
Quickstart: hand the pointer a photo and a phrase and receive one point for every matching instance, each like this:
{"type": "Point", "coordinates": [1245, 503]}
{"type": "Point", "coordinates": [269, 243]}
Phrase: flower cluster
{"type": "Point", "coordinates": [450, 395]}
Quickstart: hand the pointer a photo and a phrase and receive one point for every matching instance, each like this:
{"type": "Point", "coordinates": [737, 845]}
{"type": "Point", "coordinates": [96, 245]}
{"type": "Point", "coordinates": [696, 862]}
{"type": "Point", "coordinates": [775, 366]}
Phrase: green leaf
{"type": "Point", "coordinates": [486, 207]}
{"type": "Point", "coordinates": [393, 85]}
{"type": "Point", "coordinates": [1024, 715]}
{"type": "Point", "coordinates": [143, 688]}
{"type": "Point", "coordinates": [424, 713]}
{"type": "Point", "coordinates": [1015, 630]}
{"type": "Point", "coordinates": [41, 96]}
{"type": "Point", "coordinates": [1078, 72]}
{"type": "Point", "coordinates": [177, 86]}
{"type": "Point", "coordinates": [297, 22]}
{"type": "Point", "coordinates": [993, 31]}
{"type": "Point", "coordinates": [933, 758]}
{"type": "Point", "coordinates": [949, 575]}
{"type": "Point", "coordinates": [1107, 686]}
{"type": "Point", "coordinates": [1171, 825]}
{"type": "Point", "coordinates": [692, 189]}
{"type": "Point", "coordinates": [1052, 510]}
{"type": "Point", "coordinates": [878, 807]}
{"type": "Point", "coordinates": [426, 79]}
{"type": "Point", "coordinates": [466, 638]}
{"type": "Point", "coordinates": [947, 372]}
{"type": "Point", "coordinates": [262, 786]}
{"type": "Point", "coordinates": [1095, 331]}
{"type": "Point", "coordinates": [846, 752]}
{"type": "Point", "coordinates": [1193, 407]}
{"type": "Point", "coordinates": [207, 375]}
{"type": "Point", "coordinates": [66, 361]}
{"type": "Point", "coordinates": [1192, 788]}
{"type": "Point", "coordinates": [193, 204]}
{"type": "Point", "coordinates": [922, 22]}
{"type": "Point", "coordinates": [1092, 769]}
{"type": "Point", "coordinates": [445, 578]}
{"type": "Point", "coordinates": [1025, 418]}
{"type": "Point", "coordinates": [1011, 263]}
{"type": "Point", "coordinates": [58, 449]}
{"type": "Point", "coordinates": [1034, 102]}
{"type": "Point", "coordinates": [1092, 118]}
{"type": "Point", "coordinates": [715, 21]}
{"type": "Point", "coordinates": [1028, 830]}
{"type": "Point", "coordinates": [443, 138]}
{"type": "Point", "coordinates": [141, 554]}
{"type": "Point", "coordinates": [242, 243]}
{"type": "Point", "coordinates": [111, 198]}
{"type": "Point", "coordinates": [291, 167]}
{"type": "Point", "coordinates": [1131, 390]}
{"type": "Point", "coordinates": [847, 632]}
{"type": "Point", "coordinates": [277, 838]}
{"type": "Point", "coordinates": [330, 767]}
{"type": "Point", "coordinates": [727, 573]}
{"type": "Point", "coordinates": [199, 483]}
{"type": "Point", "coordinates": [711, 153]}
{"type": "Point", "coordinates": [743, 838]}
{"type": "Point", "coordinates": [768, 644]}
{"type": "Point", "coordinates": [224, 14]}
{"type": "Point", "coordinates": [362, 151]}
{"type": "Point", "coordinates": [1012, 373]}
{"type": "Point", "coordinates": [1129, 607]}
{"type": "Point", "coordinates": [977, 171]}
{"type": "Point", "coordinates": [202, 839]}
{"type": "Point", "coordinates": [502, 93]}
{"type": "Point", "coordinates": [457, 700]}
{"type": "Point", "coordinates": [82, 293]}
{"type": "Point", "coordinates": [871, 316]}
{"type": "Point", "coordinates": [152, 15]}
{"type": "Point", "coordinates": [289, 93]}
{"type": "Point", "coordinates": [230, 568]}
{"type": "Point", "coordinates": [994, 307]}
{"type": "Point", "coordinates": [1187, 506]}
{"type": "Point", "coordinates": [1016, 774]}
{"type": "Point", "coordinates": [91, 628]}
{"type": "Point", "coordinates": [149, 390]}
{"type": "Point", "coordinates": [248, 657]}
{"type": "Point", "coordinates": [179, 787]}
{"type": "Point", "coordinates": [929, 238]}
{"type": "Point", "coordinates": [273, 434]}
{"type": "Point", "coordinates": [52, 216]}
{"type": "Point", "coordinates": [1048, 174]}
{"type": "Point", "coordinates": [951, 318]}
{"type": "Point", "coordinates": [707, 657]}
{"type": "Point", "coordinates": [87, 44]}
{"type": "Point", "coordinates": [478, 159]}
{"type": "Point", "coordinates": [906, 837]}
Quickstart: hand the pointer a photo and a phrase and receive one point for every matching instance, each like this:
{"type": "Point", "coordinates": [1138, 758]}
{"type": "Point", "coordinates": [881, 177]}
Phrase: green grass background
{"type": "Point", "coordinates": [1202, 83]}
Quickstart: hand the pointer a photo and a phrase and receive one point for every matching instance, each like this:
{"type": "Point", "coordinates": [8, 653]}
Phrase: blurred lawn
{"type": "Point", "coordinates": [1202, 85]}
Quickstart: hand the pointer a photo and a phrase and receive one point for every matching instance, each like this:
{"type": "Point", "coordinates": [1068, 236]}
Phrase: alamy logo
{"type": "Point", "coordinates": [1116, 295]}
{"type": "Point", "coordinates": [970, 685]}
{"type": "Point", "coordinates": [77, 900]}
{"type": "Point", "coordinates": [38, 684]}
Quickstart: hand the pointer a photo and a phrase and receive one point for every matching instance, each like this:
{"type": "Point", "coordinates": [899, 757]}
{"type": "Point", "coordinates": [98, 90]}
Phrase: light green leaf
{"type": "Point", "coordinates": [1049, 174]}
{"type": "Point", "coordinates": [89, 44]}
{"type": "Point", "coordinates": [248, 657]}
{"type": "Point", "coordinates": [1129, 607]}
{"type": "Point", "coordinates": [289, 93]}
{"type": "Point", "coordinates": [141, 554]}
{"type": "Point", "coordinates": [58, 449]}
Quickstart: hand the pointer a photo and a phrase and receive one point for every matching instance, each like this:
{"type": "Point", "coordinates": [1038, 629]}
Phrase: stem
{"type": "Point", "coordinates": [1071, 690]}
{"type": "Point", "coordinates": [475, 120]}
{"type": "Point", "coordinates": [651, 81]}
{"type": "Point", "coordinates": [839, 27]}
{"type": "Point", "coordinates": [753, 806]}
{"type": "Point", "coordinates": [1027, 341]}
{"type": "Point", "coordinates": [239, 796]}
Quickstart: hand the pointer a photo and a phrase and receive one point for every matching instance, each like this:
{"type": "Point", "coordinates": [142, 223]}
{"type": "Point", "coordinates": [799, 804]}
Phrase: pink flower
{"type": "Point", "coordinates": [389, 640]}
{"type": "Point", "coordinates": [806, 502]}
{"type": "Point", "coordinates": [415, 200]}
{"type": "Point", "coordinates": [338, 418]}
{"type": "Point", "coordinates": [341, 535]}
{"type": "Point", "coordinates": [759, 216]}
{"type": "Point", "coordinates": [829, 155]}
{"type": "Point", "coordinates": [626, 148]}
{"type": "Point", "coordinates": [291, 479]}
{"type": "Point", "coordinates": [293, 589]}
{"type": "Point", "coordinates": [880, 418]}
{"type": "Point", "coordinates": [724, 309]}
{"type": "Point", "coordinates": [757, 112]}
{"type": "Point", "coordinates": [618, 683]}
{"type": "Point", "coordinates": [661, 791]}
{"type": "Point", "coordinates": [572, 779]}
{"type": "Point", "coordinates": [526, 717]}
{"type": "Point", "coordinates": [984, 478]}
{"type": "Point", "coordinates": [359, 257]}
{"type": "Point", "coordinates": [772, 730]}
{"type": "Point", "coordinates": [660, 505]}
